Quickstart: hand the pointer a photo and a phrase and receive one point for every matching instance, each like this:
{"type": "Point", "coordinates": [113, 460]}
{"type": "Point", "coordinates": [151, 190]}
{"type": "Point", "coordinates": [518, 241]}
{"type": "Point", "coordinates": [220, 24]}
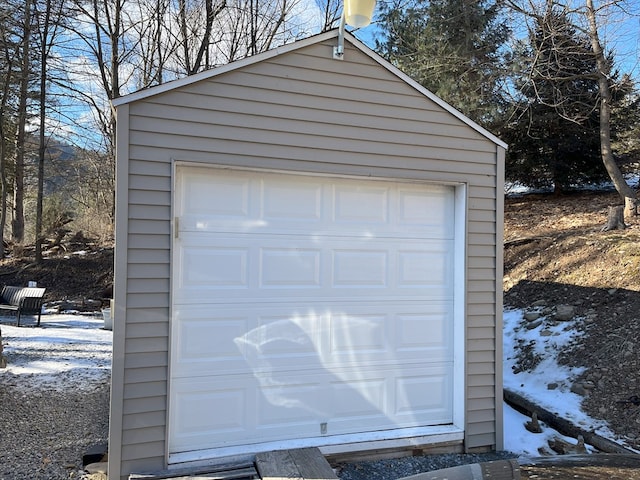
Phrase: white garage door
{"type": "Point", "coordinates": [307, 307]}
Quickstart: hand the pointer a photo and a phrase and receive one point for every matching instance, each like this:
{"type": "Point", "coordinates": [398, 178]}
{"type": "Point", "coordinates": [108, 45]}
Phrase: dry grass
{"type": "Point", "coordinates": [560, 239]}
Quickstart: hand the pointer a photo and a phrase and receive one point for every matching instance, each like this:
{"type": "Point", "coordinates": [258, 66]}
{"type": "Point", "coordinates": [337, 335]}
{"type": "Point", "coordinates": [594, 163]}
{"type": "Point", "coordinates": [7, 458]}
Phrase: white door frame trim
{"type": "Point", "coordinates": [344, 443]}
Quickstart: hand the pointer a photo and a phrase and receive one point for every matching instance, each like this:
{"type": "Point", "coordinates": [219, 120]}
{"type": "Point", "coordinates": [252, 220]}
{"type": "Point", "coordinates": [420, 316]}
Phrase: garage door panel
{"type": "Point", "coordinates": [291, 202]}
{"type": "Point", "coordinates": [286, 267]}
{"type": "Point", "coordinates": [426, 210]}
{"type": "Point", "coordinates": [357, 268]}
{"type": "Point", "coordinates": [292, 266]}
{"type": "Point", "coordinates": [410, 336]}
{"type": "Point", "coordinates": [201, 407]}
{"type": "Point", "coordinates": [205, 342]}
{"type": "Point", "coordinates": [227, 196]}
{"type": "Point", "coordinates": [273, 203]}
{"type": "Point", "coordinates": [424, 395]}
{"type": "Point", "coordinates": [368, 205]}
{"type": "Point", "coordinates": [214, 267]}
{"type": "Point", "coordinates": [267, 338]}
{"type": "Point", "coordinates": [424, 269]}
{"type": "Point", "coordinates": [308, 405]}
{"type": "Point", "coordinates": [353, 334]}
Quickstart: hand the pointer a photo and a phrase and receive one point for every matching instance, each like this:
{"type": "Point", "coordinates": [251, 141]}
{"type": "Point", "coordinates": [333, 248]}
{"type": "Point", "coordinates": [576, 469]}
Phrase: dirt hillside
{"type": "Point", "coordinates": [77, 275]}
{"type": "Point", "coordinates": [556, 254]}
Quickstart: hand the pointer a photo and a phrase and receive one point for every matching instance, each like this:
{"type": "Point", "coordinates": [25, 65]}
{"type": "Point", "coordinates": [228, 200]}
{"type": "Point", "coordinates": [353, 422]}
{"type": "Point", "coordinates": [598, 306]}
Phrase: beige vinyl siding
{"type": "Point", "coordinates": [299, 111]}
{"type": "Point", "coordinates": [146, 344]}
{"type": "Point", "coordinates": [482, 276]}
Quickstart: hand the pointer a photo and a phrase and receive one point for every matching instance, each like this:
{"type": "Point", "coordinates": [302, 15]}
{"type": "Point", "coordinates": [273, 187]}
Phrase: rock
{"type": "Point", "coordinates": [546, 333]}
{"type": "Point", "coordinates": [565, 312]}
{"type": "Point", "coordinates": [552, 386]}
{"type": "Point", "coordinates": [531, 316]}
{"type": "Point", "coordinates": [532, 325]}
{"type": "Point", "coordinates": [612, 291]}
{"type": "Point", "coordinates": [539, 303]}
{"type": "Point", "coordinates": [95, 476]}
{"type": "Point", "coordinates": [578, 389]}
{"type": "Point", "coordinates": [98, 467]}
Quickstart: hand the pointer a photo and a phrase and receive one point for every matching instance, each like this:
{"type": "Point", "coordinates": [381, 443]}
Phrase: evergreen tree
{"type": "Point", "coordinates": [453, 48]}
{"type": "Point", "coordinates": [554, 139]}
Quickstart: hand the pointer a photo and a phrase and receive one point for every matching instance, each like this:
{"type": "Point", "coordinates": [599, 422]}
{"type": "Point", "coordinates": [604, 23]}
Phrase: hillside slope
{"type": "Point", "coordinates": [83, 274]}
{"type": "Point", "coordinates": [556, 254]}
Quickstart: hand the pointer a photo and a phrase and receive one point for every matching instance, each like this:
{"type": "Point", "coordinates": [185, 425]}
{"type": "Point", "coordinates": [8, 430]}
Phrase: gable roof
{"type": "Point", "coordinates": [236, 65]}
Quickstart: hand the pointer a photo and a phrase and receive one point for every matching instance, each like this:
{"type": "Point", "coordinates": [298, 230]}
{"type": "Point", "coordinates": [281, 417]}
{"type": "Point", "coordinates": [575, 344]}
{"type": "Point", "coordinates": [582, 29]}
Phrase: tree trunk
{"type": "Point", "coordinates": [42, 147]}
{"type": "Point", "coordinates": [625, 191]}
{"type": "Point", "coordinates": [18, 194]}
{"type": "Point", "coordinates": [615, 220]}
{"type": "Point", "coordinates": [3, 152]}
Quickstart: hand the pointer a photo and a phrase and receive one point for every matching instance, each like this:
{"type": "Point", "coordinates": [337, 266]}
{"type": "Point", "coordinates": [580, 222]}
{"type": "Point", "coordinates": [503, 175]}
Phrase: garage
{"type": "Point", "coordinates": [309, 306]}
{"type": "Point", "coordinates": [308, 254]}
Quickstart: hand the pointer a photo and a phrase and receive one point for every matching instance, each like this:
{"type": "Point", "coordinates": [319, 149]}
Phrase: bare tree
{"type": "Point", "coordinates": [156, 45]}
{"type": "Point", "coordinates": [587, 21]}
{"type": "Point", "coordinates": [218, 33]}
{"type": "Point", "coordinates": [196, 35]}
{"type": "Point", "coordinates": [99, 26]}
{"type": "Point", "coordinates": [331, 10]}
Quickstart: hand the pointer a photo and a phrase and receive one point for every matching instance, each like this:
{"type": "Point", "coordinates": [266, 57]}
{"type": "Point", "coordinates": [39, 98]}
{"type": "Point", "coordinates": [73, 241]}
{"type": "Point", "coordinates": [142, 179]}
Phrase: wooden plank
{"type": "Point", "coordinates": [298, 464]}
{"type": "Point", "coordinates": [231, 475]}
{"type": "Point", "coordinates": [277, 466]}
{"type": "Point", "coordinates": [228, 471]}
{"type": "Point", "coordinates": [312, 464]}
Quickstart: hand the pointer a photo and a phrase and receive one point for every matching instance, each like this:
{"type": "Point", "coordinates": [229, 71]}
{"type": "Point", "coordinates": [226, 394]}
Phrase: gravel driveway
{"type": "Point", "coordinates": [54, 396]}
{"type": "Point", "coordinates": [392, 469]}
{"type": "Point", "coordinates": [44, 434]}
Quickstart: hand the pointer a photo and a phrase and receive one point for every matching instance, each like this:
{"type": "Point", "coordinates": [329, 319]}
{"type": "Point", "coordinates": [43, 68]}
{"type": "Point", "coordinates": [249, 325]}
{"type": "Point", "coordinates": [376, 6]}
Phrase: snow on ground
{"type": "Point", "coordinates": [66, 351]}
{"type": "Point", "coordinates": [75, 351]}
{"type": "Point", "coordinates": [519, 440]}
{"type": "Point", "coordinates": [534, 384]}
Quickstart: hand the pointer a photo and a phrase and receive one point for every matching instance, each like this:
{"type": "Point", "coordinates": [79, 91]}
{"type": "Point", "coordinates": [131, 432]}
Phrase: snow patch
{"type": "Point", "coordinates": [534, 384]}
{"type": "Point", "coordinates": [67, 351]}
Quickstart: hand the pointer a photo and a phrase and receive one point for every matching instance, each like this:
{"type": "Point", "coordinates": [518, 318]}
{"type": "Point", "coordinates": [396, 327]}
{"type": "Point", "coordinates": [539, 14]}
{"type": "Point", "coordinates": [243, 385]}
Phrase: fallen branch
{"type": "Point", "coordinates": [523, 241]}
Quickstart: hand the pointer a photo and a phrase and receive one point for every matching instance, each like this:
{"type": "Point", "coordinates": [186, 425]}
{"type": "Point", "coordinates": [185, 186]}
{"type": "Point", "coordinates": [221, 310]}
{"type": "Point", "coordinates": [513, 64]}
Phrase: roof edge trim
{"type": "Point", "coordinates": [213, 72]}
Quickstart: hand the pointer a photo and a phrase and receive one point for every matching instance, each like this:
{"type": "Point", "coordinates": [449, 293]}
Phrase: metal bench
{"type": "Point", "coordinates": [22, 300]}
